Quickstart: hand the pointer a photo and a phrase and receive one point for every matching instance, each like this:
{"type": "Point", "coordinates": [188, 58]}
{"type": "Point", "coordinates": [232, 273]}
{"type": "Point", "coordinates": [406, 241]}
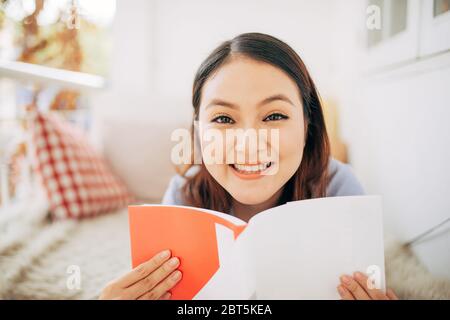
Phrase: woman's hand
{"type": "Point", "coordinates": [356, 288]}
{"type": "Point", "coordinates": [151, 280]}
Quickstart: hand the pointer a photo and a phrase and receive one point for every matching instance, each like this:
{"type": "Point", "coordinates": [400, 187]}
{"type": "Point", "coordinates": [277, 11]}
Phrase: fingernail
{"type": "Point", "coordinates": [346, 279]}
{"type": "Point", "coordinates": [358, 275]}
{"type": "Point", "coordinates": [176, 275]}
{"type": "Point", "coordinates": [173, 262]}
{"type": "Point", "coordinates": [164, 254]}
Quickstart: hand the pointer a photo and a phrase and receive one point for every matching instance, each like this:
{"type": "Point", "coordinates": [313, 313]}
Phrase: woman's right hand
{"type": "Point", "coordinates": [151, 280]}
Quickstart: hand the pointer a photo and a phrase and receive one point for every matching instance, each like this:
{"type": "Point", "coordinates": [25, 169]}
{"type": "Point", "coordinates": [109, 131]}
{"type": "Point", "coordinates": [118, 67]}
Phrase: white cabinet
{"type": "Point", "coordinates": [409, 30]}
{"type": "Point", "coordinates": [396, 40]}
{"type": "Point", "coordinates": [435, 27]}
{"type": "Point", "coordinates": [406, 102]}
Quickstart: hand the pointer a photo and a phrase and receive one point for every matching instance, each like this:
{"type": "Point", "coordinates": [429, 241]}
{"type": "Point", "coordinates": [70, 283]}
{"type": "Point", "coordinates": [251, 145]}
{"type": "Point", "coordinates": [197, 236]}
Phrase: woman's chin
{"type": "Point", "coordinates": [254, 198]}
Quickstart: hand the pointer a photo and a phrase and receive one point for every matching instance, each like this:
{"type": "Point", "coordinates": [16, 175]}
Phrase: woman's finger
{"type": "Point", "coordinates": [163, 287]}
{"type": "Point", "coordinates": [363, 281]}
{"type": "Point", "coordinates": [344, 293]}
{"type": "Point", "coordinates": [149, 283]}
{"type": "Point", "coordinates": [391, 295]}
{"type": "Point", "coordinates": [143, 270]}
{"type": "Point", "coordinates": [166, 296]}
{"type": "Point", "coordinates": [354, 287]}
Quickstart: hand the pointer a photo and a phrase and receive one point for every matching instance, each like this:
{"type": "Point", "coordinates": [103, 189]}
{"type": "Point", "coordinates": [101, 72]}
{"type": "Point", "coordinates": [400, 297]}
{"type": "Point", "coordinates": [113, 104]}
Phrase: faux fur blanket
{"type": "Point", "coordinates": [38, 258]}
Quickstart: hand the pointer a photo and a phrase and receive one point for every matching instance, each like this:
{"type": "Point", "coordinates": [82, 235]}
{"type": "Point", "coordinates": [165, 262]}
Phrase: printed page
{"type": "Point", "coordinates": [299, 250]}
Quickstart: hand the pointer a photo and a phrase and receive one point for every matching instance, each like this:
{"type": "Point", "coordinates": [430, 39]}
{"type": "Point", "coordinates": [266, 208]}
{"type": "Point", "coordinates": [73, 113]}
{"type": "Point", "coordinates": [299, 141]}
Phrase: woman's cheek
{"type": "Point", "coordinates": [213, 145]}
{"type": "Point", "coordinates": [291, 149]}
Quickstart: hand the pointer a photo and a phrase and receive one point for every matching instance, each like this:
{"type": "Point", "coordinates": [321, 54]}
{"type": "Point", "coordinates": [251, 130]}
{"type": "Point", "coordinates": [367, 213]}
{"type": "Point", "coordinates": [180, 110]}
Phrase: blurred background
{"type": "Point", "coordinates": [123, 71]}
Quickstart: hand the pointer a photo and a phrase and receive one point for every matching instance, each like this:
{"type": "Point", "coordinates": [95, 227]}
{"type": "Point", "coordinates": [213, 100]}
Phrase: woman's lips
{"type": "Point", "coordinates": [250, 171]}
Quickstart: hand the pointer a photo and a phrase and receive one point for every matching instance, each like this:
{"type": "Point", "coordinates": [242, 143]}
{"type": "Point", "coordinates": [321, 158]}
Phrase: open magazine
{"type": "Point", "coordinates": [294, 251]}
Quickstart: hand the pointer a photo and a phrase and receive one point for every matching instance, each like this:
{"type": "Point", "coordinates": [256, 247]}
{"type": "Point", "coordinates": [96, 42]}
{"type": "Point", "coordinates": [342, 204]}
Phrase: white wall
{"type": "Point", "coordinates": [403, 153]}
{"type": "Point", "coordinates": [187, 31]}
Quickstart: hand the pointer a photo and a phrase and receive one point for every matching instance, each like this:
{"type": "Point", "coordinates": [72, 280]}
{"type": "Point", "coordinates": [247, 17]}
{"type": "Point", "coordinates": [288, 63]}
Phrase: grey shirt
{"type": "Point", "coordinates": [342, 183]}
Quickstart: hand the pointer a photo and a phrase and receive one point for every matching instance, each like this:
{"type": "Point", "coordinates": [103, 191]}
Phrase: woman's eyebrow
{"type": "Point", "coordinates": [276, 97]}
{"type": "Point", "coordinates": [220, 102]}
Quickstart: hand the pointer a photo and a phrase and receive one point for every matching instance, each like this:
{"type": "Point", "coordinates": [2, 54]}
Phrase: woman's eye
{"type": "Point", "coordinates": [223, 119]}
{"type": "Point", "coordinates": [275, 117]}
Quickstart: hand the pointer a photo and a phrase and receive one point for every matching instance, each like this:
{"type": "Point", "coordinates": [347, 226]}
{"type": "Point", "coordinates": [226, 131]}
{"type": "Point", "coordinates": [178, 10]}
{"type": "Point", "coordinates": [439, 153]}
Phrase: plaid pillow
{"type": "Point", "coordinates": [77, 180]}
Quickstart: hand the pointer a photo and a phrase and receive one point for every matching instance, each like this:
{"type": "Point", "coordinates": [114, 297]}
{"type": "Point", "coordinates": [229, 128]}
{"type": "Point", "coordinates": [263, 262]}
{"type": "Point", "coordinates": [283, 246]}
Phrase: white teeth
{"type": "Point", "coordinates": [251, 168]}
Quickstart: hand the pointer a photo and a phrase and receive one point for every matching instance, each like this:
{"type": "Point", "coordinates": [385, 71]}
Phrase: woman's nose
{"type": "Point", "coordinates": [249, 143]}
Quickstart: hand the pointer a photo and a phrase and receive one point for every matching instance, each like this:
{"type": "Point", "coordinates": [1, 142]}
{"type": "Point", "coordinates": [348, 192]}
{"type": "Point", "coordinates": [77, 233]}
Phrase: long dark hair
{"type": "Point", "coordinates": [311, 178]}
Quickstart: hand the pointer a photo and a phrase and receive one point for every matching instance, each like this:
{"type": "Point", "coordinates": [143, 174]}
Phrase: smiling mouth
{"type": "Point", "coordinates": [250, 170]}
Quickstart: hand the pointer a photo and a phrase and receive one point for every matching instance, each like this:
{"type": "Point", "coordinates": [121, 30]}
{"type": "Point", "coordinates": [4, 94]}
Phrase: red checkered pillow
{"type": "Point", "coordinates": [77, 180]}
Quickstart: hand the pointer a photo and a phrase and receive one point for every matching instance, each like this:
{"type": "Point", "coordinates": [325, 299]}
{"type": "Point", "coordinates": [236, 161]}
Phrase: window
{"type": "Point", "coordinates": [409, 29]}
{"type": "Point", "coordinates": [440, 7]}
{"type": "Point", "coordinates": [398, 11]}
{"type": "Point", "coordinates": [38, 43]}
{"type": "Point", "coordinates": [393, 14]}
{"type": "Point", "coordinates": [396, 39]}
{"type": "Point", "coordinates": [435, 29]}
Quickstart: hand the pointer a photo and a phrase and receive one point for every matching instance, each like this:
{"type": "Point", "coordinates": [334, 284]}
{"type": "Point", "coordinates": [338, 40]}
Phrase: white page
{"type": "Point", "coordinates": [233, 278]}
{"type": "Point", "coordinates": [299, 250]}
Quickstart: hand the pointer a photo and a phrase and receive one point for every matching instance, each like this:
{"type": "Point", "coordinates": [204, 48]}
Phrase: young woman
{"type": "Point", "coordinates": [253, 81]}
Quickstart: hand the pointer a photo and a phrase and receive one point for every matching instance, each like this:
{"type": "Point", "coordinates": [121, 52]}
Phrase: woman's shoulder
{"type": "Point", "coordinates": [173, 195]}
{"type": "Point", "coordinates": [343, 181]}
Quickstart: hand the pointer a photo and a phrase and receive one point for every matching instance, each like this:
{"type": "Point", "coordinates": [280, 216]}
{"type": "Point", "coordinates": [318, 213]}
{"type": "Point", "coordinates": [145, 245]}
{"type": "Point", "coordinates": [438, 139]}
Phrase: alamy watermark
{"type": "Point", "coordinates": [373, 20]}
{"type": "Point", "coordinates": [73, 281]}
{"type": "Point", "coordinates": [226, 146]}
{"type": "Point", "coordinates": [373, 277]}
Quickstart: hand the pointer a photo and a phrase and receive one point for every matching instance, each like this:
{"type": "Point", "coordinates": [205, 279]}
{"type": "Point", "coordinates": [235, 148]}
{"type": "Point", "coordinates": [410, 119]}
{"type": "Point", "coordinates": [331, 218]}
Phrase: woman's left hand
{"type": "Point", "coordinates": [356, 288]}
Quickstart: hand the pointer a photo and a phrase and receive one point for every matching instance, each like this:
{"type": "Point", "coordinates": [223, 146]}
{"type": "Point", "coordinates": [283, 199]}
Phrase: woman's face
{"type": "Point", "coordinates": [259, 98]}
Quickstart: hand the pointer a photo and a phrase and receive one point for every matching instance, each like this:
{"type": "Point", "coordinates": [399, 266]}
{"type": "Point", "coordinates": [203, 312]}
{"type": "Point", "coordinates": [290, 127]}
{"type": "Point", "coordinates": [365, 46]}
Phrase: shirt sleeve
{"type": "Point", "coordinates": [172, 196]}
{"type": "Point", "coordinates": [343, 181]}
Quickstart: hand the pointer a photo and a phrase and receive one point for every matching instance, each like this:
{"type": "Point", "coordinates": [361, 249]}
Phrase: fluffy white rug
{"type": "Point", "coordinates": [36, 258]}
